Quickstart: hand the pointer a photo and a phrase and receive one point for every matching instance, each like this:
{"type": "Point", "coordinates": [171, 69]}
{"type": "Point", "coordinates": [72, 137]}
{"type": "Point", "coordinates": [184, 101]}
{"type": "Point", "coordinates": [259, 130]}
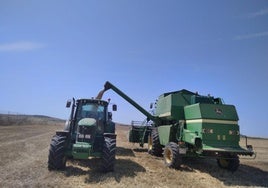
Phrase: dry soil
{"type": "Point", "coordinates": [24, 152]}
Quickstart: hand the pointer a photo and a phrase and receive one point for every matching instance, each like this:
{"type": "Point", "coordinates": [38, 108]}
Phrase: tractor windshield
{"type": "Point", "coordinates": [92, 110]}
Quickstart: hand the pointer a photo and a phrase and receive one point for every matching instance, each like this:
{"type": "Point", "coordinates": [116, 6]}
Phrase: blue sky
{"type": "Point", "coordinates": [51, 51]}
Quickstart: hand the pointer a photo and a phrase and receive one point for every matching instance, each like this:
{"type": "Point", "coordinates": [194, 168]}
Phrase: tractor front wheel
{"type": "Point", "coordinates": [56, 156]}
{"type": "Point", "coordinates": [172, 156]}
{"type": "Point", "coordinates": [230, 163]}
{"type": "Point", "coordinates": [108, 154]}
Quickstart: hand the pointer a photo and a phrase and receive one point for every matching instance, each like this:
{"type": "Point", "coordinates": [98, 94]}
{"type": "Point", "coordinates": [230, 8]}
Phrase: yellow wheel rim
{"type": "Point", "coordinates": [168, 155]}
{"type": "Point", "coordinates": [150, 143]}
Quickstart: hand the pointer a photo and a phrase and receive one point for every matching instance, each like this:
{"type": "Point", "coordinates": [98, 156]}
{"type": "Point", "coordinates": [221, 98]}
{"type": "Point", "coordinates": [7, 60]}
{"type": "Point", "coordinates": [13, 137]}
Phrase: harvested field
{"type": "Point", "coordinates": [24, 151]}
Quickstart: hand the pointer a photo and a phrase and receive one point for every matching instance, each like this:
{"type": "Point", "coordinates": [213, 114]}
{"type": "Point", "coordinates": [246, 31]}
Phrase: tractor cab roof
{"type": "Point", "coordinates": [95, 101]}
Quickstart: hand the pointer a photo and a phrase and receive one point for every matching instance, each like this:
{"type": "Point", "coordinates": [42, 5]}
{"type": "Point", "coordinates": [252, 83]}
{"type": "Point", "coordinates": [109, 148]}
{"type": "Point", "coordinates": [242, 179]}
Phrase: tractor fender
{"type": "Point", "coordinates": [62, 133]}
{"type": "Point", "coordinates": [110, 135]}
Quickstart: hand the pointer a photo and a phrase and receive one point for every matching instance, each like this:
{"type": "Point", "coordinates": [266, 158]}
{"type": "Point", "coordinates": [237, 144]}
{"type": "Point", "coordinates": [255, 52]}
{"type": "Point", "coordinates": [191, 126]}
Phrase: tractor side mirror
{"type": "Point", "coordinates": [110, 115]}
{"type": "Point", "coordinates": [114, 107]}
{"type": "Point", "coordinates": [68, 104]}
{"type": "Point", "coordinates": [151, 105]}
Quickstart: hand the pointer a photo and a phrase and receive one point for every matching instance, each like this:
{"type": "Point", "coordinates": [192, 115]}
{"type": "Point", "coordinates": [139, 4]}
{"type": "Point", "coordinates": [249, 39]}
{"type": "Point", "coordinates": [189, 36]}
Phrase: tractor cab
{"type": "Point", "coordinates": [91, 115]}
{"type": "Point", "coordinates": [90, 122]}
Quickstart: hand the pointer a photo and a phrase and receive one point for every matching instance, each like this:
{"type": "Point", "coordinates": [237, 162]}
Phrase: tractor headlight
{"type": "Point", "coordinates": [87, 136]}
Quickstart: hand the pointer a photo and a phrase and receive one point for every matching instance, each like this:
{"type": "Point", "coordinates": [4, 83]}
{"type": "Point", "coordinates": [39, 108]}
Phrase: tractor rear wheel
{"type": "Point", "coordinates": [56, 156]}
{"type": "Point", "coordinates": [172, 156]}
{"type": "Point", "coordinates": [108, 154]}
{"type": "Point", "coordinates": [155, 147]}
{"type": "Point", "coordinates": [229, 162]}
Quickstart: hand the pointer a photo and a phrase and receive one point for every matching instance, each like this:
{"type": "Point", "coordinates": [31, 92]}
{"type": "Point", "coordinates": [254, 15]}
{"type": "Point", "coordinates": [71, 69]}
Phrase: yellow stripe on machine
{"type": "Point", "coordinates": [216, 121]}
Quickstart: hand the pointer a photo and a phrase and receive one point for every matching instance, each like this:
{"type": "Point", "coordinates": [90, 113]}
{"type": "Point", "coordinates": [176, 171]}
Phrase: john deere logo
{"type": "Point", "coordinates": [218, 111]}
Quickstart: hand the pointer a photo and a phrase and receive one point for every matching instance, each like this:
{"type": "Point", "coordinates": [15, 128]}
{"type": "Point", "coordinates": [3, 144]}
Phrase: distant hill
{"type": "Point", "coordinates": [13, 119]}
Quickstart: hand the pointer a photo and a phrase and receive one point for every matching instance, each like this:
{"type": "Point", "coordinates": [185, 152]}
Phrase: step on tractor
{"type": "Point", "coordinates": [186, 124]}
{"type": "Point", "coordinates": [89, 132]}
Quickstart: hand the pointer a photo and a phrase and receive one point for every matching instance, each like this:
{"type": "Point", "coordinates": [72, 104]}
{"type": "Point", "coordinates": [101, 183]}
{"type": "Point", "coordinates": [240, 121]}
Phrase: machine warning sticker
{"type": "Point", "coordinates": [218, 111]}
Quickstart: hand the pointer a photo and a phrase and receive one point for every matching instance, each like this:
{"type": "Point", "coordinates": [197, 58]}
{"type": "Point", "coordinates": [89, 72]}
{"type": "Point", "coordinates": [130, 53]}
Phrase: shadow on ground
{"type": "Point", "coordinates": [92, 169]}
{"type": "Point", "coordinates": [140, 150]}
{"type": "Point", "coordinates": [244, 176]}
{"type": "Point", "coordinates": [120, 151]}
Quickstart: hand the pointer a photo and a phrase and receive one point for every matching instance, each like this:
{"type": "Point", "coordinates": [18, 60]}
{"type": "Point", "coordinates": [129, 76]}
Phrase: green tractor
{"type": "Point", "coordinates": [186, 124]}
{"type": "Point", "coordinates": [89, 132]}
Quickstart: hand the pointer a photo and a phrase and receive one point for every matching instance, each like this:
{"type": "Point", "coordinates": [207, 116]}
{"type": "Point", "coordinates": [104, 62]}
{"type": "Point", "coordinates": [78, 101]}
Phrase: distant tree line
{"type": "Point", "coordinates": [22, 119]}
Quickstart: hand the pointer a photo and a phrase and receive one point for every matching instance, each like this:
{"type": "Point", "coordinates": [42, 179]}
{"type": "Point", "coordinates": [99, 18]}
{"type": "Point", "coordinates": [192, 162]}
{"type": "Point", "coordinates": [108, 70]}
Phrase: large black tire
{"type": "Point", "coordinates": [229, 162]}
{"type": "Point", "coordinates": [108, 154]}
{"type": "Point", "coordinates": [56, 156]}
{"type": "Point", "coordinates": [154, 147]}
{"type": "Point", "coordinates": [172, 156]}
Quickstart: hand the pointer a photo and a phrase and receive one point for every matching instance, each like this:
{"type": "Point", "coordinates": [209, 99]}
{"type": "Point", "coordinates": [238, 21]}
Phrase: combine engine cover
{"type": "Point", "coordinates": [213, 128]}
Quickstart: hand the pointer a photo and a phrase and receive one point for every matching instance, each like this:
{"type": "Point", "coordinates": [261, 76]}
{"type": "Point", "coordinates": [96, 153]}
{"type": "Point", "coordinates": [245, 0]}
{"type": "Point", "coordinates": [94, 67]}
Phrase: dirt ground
{"type": "Point", "coordinates": [24, 152]}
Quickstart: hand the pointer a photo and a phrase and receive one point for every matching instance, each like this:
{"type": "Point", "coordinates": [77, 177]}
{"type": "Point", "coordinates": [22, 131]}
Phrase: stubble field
{"type": "Point", "coordinates": [24, 151]}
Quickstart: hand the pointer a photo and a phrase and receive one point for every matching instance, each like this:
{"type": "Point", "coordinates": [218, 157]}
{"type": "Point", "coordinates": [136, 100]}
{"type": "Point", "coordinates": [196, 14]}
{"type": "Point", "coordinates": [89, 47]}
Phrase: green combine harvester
{"type": "Point", "coordinates": [186, 124]}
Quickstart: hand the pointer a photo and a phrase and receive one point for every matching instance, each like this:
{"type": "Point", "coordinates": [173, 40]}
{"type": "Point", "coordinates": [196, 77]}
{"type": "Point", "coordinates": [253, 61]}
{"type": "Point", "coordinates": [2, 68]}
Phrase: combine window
{"type": "Point", "coordinates": [205, 100]}
{"type": "Point", "coordinates": [202, 99]}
